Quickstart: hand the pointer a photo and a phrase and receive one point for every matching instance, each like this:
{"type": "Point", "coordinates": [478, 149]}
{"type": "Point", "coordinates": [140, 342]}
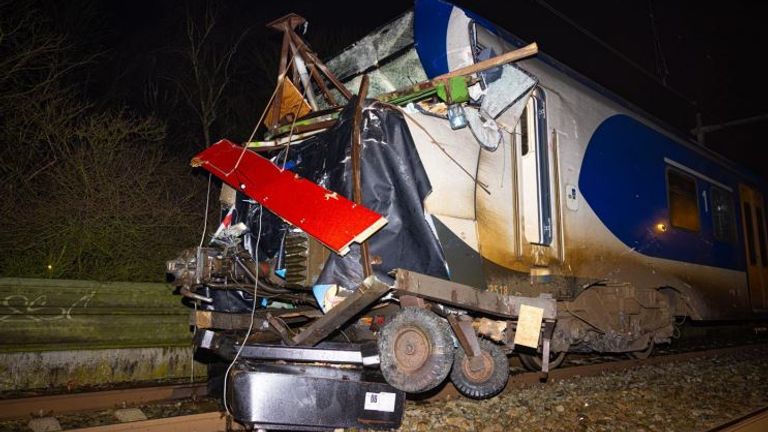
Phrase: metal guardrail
{"type": "Point", "coordinates": [71, 333]}
{"type": "Point", "coordinates": [56, 315]}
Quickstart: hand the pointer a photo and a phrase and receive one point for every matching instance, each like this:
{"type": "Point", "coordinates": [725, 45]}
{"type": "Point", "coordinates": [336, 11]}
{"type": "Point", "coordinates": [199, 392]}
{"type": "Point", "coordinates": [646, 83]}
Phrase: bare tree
{"type": "Point", "coordinates": [86, 194]}
{"type": "Point", "coordinates": [210, 62]}
{"type": "Point", "coordinates": [34, 101]}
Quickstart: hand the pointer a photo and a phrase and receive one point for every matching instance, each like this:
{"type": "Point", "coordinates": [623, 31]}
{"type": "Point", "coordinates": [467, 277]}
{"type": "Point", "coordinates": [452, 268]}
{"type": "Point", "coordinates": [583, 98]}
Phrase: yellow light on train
{"type": "Point", "coordinates": [660, 227]}
{"type": "Point", "coordinates": [50, 266]}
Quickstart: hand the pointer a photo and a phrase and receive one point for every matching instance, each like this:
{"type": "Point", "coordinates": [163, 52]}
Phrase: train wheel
{"type": "Point", "coordinates": [533, 362]}
{"type": "Point", "coordinates": [644, 354]}
{"type": "Point", "coordinates": [415, 350]}
{"type": "Point", "coordinates": [486, 381]}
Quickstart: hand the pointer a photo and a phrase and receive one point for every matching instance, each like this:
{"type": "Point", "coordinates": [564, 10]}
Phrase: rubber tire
{"type": "Point", "coordinates": [435, 368]}
{"type": "Point", "coordinates": [533, 362]}
{"type": "Point", "coordinates": [492, 385]}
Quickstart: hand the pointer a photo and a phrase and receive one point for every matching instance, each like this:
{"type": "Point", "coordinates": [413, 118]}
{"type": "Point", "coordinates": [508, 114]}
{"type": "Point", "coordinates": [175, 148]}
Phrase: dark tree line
{"type": "Point", "coordinates": [103, 104]}
{"type": "Point", "coordinates": [89, 188]}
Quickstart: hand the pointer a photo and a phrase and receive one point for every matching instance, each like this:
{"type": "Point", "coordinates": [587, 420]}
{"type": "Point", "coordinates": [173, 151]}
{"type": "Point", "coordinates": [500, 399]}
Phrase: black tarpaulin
{"type": "Point", "coordinates": [394, 184]}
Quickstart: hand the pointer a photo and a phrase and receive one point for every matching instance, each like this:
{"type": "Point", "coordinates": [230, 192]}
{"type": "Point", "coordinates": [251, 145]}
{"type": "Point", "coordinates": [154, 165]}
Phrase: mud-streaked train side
{"type": "Point", "coordinates": [628, 224]}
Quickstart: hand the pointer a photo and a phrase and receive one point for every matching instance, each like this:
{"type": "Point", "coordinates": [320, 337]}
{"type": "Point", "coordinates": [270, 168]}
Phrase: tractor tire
{"type": "Point", "coordinates": [415, 350]}
{"type": "Point", "coordinates": [489, 381]}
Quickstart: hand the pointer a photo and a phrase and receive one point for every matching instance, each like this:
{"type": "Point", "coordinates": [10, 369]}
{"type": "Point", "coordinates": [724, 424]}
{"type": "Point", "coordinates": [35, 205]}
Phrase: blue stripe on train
{"type": "Point", "coordinates": [623, 178]}
{"type": "Point", "coordinates": [623, 175]}
{"type": "Point", "coordinates": [429, 32]}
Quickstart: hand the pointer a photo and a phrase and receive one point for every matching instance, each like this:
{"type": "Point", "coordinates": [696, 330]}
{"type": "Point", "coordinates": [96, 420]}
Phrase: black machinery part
{"type": "Point", "coordinates": [532, 362]}
{"type": "Point", "coordinates": [303, 397]}
{"type": "Point", "coordinates": [643, 354]}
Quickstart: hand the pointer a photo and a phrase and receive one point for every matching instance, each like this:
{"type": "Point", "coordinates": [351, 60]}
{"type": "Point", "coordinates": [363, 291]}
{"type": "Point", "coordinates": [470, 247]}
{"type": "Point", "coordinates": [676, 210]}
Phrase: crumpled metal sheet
{"type": "Point", "coordinates": [507, 94]}
{"type": "Point", "coordinates": [509, 91]}
{"type": "Point", "coordinates": [486, 131]}
{"type": "Point", "coordinates": [375, 48]}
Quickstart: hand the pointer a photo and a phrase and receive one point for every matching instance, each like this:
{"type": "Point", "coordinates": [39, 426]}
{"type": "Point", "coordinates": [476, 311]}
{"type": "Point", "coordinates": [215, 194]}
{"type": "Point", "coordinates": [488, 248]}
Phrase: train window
{"type": "Point", "coordinates": [683, 202]}
{"type": "Point", "coordinates": [750, 233]}
{"type": "Point", "coordinates": [761, 235]}
{"type": "Point", "coordinates": [534, 171]}
{"type": "Point", "coordinates": [723, 217]}
{"type": "Point", "coordinates": [524, 132]}
{"type": "Point", "coordinates": [535, 182]}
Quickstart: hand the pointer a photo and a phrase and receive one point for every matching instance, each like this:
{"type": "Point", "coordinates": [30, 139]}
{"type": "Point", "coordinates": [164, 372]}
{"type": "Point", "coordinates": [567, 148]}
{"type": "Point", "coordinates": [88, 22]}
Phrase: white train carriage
{"type": "Point", "coordinates": [589, 198]}
{"type": "Point", "coordinates": [557, 188]}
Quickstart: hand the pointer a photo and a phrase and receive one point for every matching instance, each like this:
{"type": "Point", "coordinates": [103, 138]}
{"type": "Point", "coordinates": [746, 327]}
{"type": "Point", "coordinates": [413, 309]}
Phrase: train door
{"type": "Point", "coordinates": [753, 220]}
{"type": "Point", "coordinates": [535, 179]}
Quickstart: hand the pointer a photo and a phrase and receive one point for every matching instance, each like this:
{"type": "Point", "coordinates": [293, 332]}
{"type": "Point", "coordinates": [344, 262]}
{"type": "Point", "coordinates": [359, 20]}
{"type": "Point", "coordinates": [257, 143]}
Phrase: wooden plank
{"type": "Point", "coordinates": [467, 297]}
{"type": "Point", "coordinates": [426, 88]}
{"type": "Point", "coordinates": [357, 175]}
{"type": "Point", "coordinates": [74, 402]}
{"type": "Point", "coordinates": [366, 294]}
{"type": "Point", "coordinates": [206, 422]}
{"type": "Point", "coordinates": [310, 57]}
{"type": "Point", "coordinates": [288, 100]}
{"type": "Point", "coordinates": [330, 218]}
{"type": "Point", "coordinates": [321, 83]}
{"type": "Point", "coordinates": [518, 54]}
{"type": "Point", "coordinates": [236, 321]}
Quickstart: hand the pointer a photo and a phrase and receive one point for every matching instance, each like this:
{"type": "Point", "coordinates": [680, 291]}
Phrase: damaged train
{"type": "Point", "coordinates": [499, 196]}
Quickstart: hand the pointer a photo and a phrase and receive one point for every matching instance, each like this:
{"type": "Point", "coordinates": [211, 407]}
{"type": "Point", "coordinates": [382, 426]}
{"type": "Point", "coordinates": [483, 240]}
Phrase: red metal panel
{"type": "Point", "coordinates": [332, 219]}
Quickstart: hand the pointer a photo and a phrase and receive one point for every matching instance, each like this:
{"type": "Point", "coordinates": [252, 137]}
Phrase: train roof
{"type": "Point", "coordinates": [393, 38]}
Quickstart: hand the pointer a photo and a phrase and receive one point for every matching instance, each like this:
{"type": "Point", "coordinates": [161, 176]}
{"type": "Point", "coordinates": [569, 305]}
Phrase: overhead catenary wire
{"type": "Point", "coordinates": [658, 50]}
{"type": "Point", "coordinates": [207, 207]}
{"type": "Point", "coordinates": [613, 51]}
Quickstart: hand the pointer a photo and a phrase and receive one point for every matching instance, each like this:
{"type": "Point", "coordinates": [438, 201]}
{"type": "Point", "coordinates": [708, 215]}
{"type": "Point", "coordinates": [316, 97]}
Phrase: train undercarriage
{"type": "Point", "coordinates": [383, 340]}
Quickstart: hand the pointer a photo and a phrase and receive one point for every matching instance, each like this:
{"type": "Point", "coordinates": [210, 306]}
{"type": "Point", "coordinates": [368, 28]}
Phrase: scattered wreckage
{"type": "Point", "coordinates": [382, 304]}
{"type": "Point", "coordinates": [385, 242]}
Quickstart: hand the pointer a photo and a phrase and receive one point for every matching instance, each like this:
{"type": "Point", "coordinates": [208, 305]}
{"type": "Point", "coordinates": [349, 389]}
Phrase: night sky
{"type": "Point", "coordinates": [706, 53]}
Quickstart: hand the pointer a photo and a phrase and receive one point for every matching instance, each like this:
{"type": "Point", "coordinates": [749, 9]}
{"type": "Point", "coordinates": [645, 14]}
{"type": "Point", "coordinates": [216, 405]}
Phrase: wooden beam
{"type": "Point", "coordinates": [281, 76]}
{"type": "Point", "coordinates": [357, 188]}
{"type": "Point", "coordinates": [300, 44]}
{"type": "Point", "coordinates": [366, 294]}
{"type": "Point", "coordinates": [518, 54]}
{"type": "Point", "coordinates": [321, 83]}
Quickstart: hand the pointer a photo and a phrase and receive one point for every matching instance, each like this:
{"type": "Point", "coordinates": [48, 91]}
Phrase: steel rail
{"type": "Point", "coordinates": [216, 421]}
{"type": "Point", "coordinates": [448, 391]}
{"type": "Point", "coordinates": [755, 421]}
{"type": "Point", "coordinates": [90, 401]}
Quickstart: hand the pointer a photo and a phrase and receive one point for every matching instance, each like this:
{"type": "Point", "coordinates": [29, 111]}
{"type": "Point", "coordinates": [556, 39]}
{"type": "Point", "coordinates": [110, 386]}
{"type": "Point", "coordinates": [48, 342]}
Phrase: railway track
{"type": "Point", "coordinates": [755, 421]}
{"type": "Point", "coordinates": [57, 405]}
{"type": "Point", "coordinates": [605, 364]}
{"type": "Point", "coordinates": [91, 401]}
{"type": "Point", "coordinates": [205, 422]}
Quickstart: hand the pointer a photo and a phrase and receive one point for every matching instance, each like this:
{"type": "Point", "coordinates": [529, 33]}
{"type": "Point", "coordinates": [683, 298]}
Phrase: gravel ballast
{"type": "Point", "coordinates": [693, 395]}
